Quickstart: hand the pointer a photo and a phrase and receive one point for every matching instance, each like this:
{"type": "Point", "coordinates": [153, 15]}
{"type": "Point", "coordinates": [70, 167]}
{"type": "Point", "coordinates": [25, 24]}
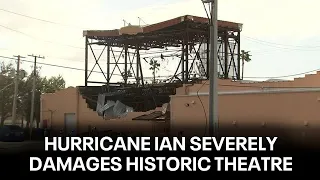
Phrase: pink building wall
{"type": "Point", "coordinates": [286, 109]}
{"type": "Point", "coordinates": [70, 101]}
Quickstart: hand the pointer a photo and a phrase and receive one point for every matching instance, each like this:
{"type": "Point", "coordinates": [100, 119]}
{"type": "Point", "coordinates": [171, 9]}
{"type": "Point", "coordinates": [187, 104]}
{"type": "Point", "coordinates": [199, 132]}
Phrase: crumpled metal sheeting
{"type": "Point", "coordinates": [108, 105]}
{"type": "Point", "coordinates": [128, 109]}
{"type": "Point", "coordinates": [100, 103]}
{"type": "Point", "coordinates": [111, 109]}
{"type": "Point", "coordinates": [109, 114]}
{"type": "Point", "coordinates": [120, 109]}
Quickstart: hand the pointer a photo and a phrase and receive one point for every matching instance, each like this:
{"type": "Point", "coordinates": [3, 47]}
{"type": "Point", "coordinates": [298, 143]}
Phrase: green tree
{"type": "Point", "coordinates": [43, 85]}
{"type": "Point", "coordinates": [6, 89]}
{"type": "Point", "coordinates": [245, 57]}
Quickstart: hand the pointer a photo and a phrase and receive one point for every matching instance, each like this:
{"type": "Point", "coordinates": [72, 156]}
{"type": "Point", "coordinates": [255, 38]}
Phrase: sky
{"type": "Point", "coordinates": [282, 36]}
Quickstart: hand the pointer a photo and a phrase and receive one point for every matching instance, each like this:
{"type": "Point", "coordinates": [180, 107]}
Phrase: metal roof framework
{"type": "Point", "coordinates": [185, 32]}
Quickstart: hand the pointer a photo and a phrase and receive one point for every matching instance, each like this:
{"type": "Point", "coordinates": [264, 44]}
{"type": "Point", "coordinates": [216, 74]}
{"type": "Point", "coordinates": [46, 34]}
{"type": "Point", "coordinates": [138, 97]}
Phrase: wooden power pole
{"type": "Point", "coordinates": [33, 91]}
{"type": "Point", "coordinates": [16, 89]}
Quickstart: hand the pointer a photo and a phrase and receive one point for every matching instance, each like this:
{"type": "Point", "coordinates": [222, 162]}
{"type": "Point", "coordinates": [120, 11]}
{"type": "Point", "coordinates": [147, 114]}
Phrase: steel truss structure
{"type": "Point", "coordinates": [188, 34]}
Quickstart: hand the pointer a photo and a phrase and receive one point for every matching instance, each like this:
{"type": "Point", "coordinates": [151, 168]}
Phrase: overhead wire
{"type": "Point", "coordinates": [290, 75]}
{"type": "Point", "coordinates": [245, 86]}
{"type": "Point", "coordinates": [274, 45]}
{"type": "Point", "coordinates": [52, 42]}
{"type": "Point", "coordinates": [203, 108]}
{"type": "Point", "coordinates": [67, 45]}
{"type": "Point", "coordinates": [284, 47]}
{"type": "Point", "coordinates": [247, 37]}
{"type": "Point", "coordinates": [65, 67]}
{"type": "Point", "coordinates": [261, 77]}
{"type": "Point", "coordinates": [68, 25]}
{"type": "Point", "coordinates": [6, 87]}
{"type": "Point", "coordinates": [278, 44]}
{"type": "Point", "coordinates": [38, 19]}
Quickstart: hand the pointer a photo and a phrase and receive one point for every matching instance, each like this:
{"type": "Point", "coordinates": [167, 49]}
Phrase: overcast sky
{"type": "Point", "coordinates": [282, 35]}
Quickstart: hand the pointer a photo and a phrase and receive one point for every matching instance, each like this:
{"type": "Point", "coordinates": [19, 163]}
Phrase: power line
{"type": "Point", "coordinates": [8, 28]}
{"type": "Point", "coordinates": [78, 69]}
{"type": "Point", "coordinates": [6, 87]}
{"type": "Point", "coordinates": [290, 75]}
{"type": "Point", "coordinates": [284, 46]}
{"type": "Point", "coordinates": [68, 67]}
{"type": "Point", "coordinates": [140, 19]}
{"type": "Point", "coordinates": [38, 19]}
{"type": "Point", "coordinates": [172, 53]}
{"type": "Point", "coordinates": [52, 42]}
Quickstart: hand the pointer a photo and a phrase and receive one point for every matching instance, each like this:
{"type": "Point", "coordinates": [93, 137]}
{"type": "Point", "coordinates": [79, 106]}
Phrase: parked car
{"type": "Point", "coordinates": [11, 133]}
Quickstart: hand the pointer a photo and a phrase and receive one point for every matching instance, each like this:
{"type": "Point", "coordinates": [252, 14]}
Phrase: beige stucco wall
{"type": "Point", "coordinates": [292, 110]}
{"type": "Point", "coordinates": [297, 113]}
{"type": "Point", "coordinates": [70, 101]}
{"type": "Point", "coordinates": [311, 80]}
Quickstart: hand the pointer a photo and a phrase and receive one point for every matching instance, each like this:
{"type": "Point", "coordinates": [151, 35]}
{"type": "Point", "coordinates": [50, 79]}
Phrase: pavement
{"type": "Point", "coordinates": [20, 146]}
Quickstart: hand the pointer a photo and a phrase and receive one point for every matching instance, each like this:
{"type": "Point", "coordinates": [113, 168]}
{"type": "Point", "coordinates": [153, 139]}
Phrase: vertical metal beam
{"type": "Point", "coordinates": [182, 62]}
{"type": "Point", "coordinates": [138, 66]}
{"type": "Point", "coordinates": [208, 57]}
{"type": "Point", "coordinates": [108, 68]}
{"type": "Point", "coordinates": [226, 53]}
{"type": "Point", "coordinates": [86, 63]}
{"type": "Point", "coordinates": [238, 57]}
{"type": "Point", "coordinates": [187, 58]}
{"type": "Point", "coordinates": [126, 64]}
{"type": "Point", "coordinates": [141, 73]}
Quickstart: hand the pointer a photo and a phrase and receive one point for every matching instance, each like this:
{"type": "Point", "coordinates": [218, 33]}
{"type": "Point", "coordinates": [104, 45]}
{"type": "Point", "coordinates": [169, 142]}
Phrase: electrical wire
{"type": "Point", "coordinates": [52, 42]}
{"type": "Point", "coordinates": [203, 108]}
{"type": "Point", "coordinates": [66, 67]}
{"type": "Point", "coordinates": [38, 19]}
{"type": "Point", "coordinates": [68, 25]}
{"type": "Point", "coordinates": [290, 75]}
{"type": "Point", "coordinates": [288, 48]}
{"type": "Point", "coordinates": [6, 87]}
{"type": "Point", "coordinates": [72, 68]}
{"type": "Point", "coordinates": [278, 44]}
{"type": "Point", "coordinates": [53, 65]}
{"type": "Point", "coordinates": [66, 45]}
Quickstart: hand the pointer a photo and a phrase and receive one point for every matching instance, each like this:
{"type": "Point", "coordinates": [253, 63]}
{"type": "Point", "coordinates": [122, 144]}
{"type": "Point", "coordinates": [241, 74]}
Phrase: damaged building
{"type": "Point", "coordinates": [128, 96]}
{"type": "Point", "coordinates": [127, 102]}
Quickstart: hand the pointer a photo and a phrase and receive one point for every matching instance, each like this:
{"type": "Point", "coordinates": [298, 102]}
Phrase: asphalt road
{"type": "Point", "coordinates": [20, 146]}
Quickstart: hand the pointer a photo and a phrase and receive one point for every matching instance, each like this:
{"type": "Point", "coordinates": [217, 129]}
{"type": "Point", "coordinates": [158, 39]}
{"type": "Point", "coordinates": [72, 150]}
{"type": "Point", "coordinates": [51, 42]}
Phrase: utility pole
{"type": "Point", "coordinates": [16, 89]}
{"type": "Point", "coordinates": [213, 77]}
{"type": "Point", "coordinates": [33, 90]}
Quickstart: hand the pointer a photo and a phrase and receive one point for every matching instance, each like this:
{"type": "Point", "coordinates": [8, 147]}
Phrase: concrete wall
{"type": "Point", "coordinates": [70, 101]}
{"type": "Point", "coordinates": [296, 112]}
{"type": "Point", "coordinates": [311, 80]}
{"type": "Point", "coordinates": [289, 109]}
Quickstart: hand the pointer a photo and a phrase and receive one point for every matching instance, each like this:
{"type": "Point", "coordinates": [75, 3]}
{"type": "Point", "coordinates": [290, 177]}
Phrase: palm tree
{"type": "Point", "coordinates": [154, 67]}
{"type": "Point", "coordinates": [123, 74]}
{"type": "Point", "coordinates": [246, 57]}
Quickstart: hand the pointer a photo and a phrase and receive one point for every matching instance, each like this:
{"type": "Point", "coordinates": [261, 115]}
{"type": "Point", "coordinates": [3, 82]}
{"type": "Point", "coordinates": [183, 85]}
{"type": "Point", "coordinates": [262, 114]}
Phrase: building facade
{"type": "Point", "coordinates": [289, 104]}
